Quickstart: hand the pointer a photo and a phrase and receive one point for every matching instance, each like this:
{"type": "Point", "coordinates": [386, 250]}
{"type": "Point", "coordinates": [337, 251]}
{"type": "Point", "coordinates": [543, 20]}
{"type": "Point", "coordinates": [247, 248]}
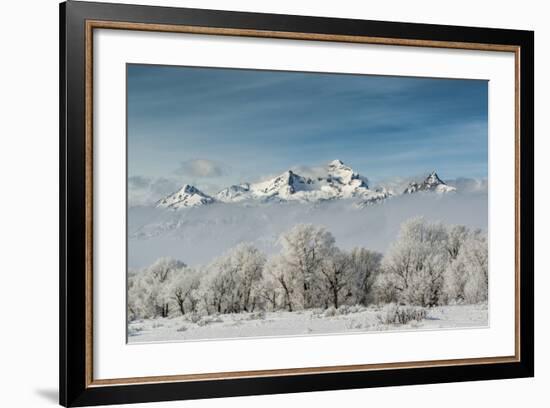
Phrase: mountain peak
{"type": "Point", "coordinates": [430, 183]}
{"type": "Point", "coordinates": [343, 174]}
{"type": "Point", "coordinates": [281, 186]}
{"type": "Point", "coordinates": [336, 163]}
{"type": "Point", "coordinates": [234, 193]}
{"type": "Point", "coordinates": [189, 189]}
{"type": "Point", "coordinates": [433, 178]}
{"type": "Point", "coordinates": [186, 196]}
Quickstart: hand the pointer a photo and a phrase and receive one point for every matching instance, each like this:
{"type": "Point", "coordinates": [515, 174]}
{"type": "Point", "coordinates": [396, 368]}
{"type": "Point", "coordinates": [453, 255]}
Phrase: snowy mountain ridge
{"type": "Point", "coordinates": [187, 196]}
{"type": "Point", "coordinates": [340, 182]}
{"type": "Point", "coordinates": [431, 183]}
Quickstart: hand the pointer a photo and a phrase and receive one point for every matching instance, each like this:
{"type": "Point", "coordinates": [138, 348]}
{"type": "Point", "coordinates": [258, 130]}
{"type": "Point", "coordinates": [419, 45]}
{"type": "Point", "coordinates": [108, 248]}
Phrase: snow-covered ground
{"type": "Point", "coordinates": [260, 324]}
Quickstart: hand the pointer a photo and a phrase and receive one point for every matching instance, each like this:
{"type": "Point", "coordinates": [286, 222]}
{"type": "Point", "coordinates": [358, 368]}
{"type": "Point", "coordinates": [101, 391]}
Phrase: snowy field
{"type": "Point", "coordinates": [314, 321]}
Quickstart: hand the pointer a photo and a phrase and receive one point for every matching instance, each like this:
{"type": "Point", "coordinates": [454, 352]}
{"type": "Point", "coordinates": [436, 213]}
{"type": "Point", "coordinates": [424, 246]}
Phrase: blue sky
{"type": "Point", "coordinates": [214, 127]}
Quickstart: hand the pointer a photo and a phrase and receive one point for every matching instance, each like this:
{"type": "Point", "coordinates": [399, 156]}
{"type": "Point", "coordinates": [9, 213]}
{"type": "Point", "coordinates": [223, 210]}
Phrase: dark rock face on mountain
{"type": "Point", "coordinates": [431, 183]}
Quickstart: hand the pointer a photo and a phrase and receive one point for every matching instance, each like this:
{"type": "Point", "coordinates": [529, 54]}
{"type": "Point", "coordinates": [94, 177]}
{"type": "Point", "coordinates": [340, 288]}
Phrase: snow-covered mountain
{"type": "Point", "coordinates": [187, 196]}
{"type": "Point", "coordinates": [339, 182]}
{"type": "Point", "coordinates": [431, 183]}
{"type": "Point", "coordinates": [234, 193]}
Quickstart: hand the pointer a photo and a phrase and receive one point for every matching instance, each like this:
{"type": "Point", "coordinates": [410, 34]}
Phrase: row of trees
{"type": "Point", "coordinates": [429, 264]}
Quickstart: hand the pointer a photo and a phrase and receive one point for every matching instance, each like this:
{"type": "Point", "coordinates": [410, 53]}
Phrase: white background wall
{"type": "Point", "coordinates": [29, 202]}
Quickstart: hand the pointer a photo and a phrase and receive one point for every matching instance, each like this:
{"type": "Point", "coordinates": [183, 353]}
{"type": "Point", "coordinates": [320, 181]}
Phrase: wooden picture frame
{"type": "Point", "coordinates": [78, 20]}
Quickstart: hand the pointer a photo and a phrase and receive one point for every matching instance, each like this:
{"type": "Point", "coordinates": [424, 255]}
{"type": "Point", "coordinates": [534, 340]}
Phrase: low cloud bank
{"type": "Point", "coordinates": [197, 235]}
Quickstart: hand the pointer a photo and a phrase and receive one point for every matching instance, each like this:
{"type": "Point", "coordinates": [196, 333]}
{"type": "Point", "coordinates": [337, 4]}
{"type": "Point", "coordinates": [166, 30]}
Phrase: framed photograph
{"type": "Point", "coordinates": [257, 204]}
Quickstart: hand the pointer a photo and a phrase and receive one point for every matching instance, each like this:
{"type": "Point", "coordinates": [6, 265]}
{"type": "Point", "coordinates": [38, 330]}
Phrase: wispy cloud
{"type": "Point", "coordinates": [470, 185]}
{"type": "Point", "coordinates": [200, 168]}
{"type": "Point", "coordinates": [138, 182]}
{"type": "Point", "coordinates": [310, 171]}
{"type": "Point", "coordinates": [144, 190]}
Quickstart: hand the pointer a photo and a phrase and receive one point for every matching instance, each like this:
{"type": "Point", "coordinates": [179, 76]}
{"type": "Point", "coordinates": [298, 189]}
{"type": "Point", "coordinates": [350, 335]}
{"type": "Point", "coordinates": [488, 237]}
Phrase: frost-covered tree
{"type": "Point", "coordinates": [455, 279]}
{"type": "Point", "coordinates": [456, 235]}
{"type": "Point", "coordinates": [214, 290]}
{"type": "Point", "coordinates": [270, 290]}
{"type": "Point", "coordinates": [234, 279]}
{"type": "Point", "coordinates": [455, 275]}
{"type": "Point", "coordinates": [148, 294]}
{"type": "Point", "coordinates": [466, 278]}
{"type": "Point", "coordinates": [304, 248]}
{"type": "Point", "coordinates": [476, 252]}
{"type": "Point", "coordinates": [417, 261]}
{"type": "Point", "coordinates": [335, 278]}
{"type": "Point", "coordinates": [162, 269]}
{"type": "Point", "coordinates": [250, 263]}
{"type": "Point", "coordinates": [183, 289]}
{"type": "Point", "coordinates": [134, 300]}
{"type": "Point", "coordinates": [385, 289]}
{"type": "Point", "coordinates": [286, 281]}
{"type": "Point", "coordinates": [364, 268]}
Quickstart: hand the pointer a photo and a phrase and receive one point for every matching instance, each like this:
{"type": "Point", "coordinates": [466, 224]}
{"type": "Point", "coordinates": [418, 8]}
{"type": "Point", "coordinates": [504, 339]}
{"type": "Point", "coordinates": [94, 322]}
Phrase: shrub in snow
{"type": "Point", "coordinates": [344, 310]}
{"type": "Point", "coordinates": [330, 312]}
{"type": "Point", "coordinates": [355, 309]}
{"type": "Point", "coordinates": [134, 330]}
{"type": "Point", "coordinates": [205, 320]}
{"type": "Point", "coordinates": [193, 317]}
{"type": "Point", "coordinates": [396, 314]}
{"type": "Point", "coordinates": [257, 316]}
{"type": "Point", "coordinates": [316, 313]}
